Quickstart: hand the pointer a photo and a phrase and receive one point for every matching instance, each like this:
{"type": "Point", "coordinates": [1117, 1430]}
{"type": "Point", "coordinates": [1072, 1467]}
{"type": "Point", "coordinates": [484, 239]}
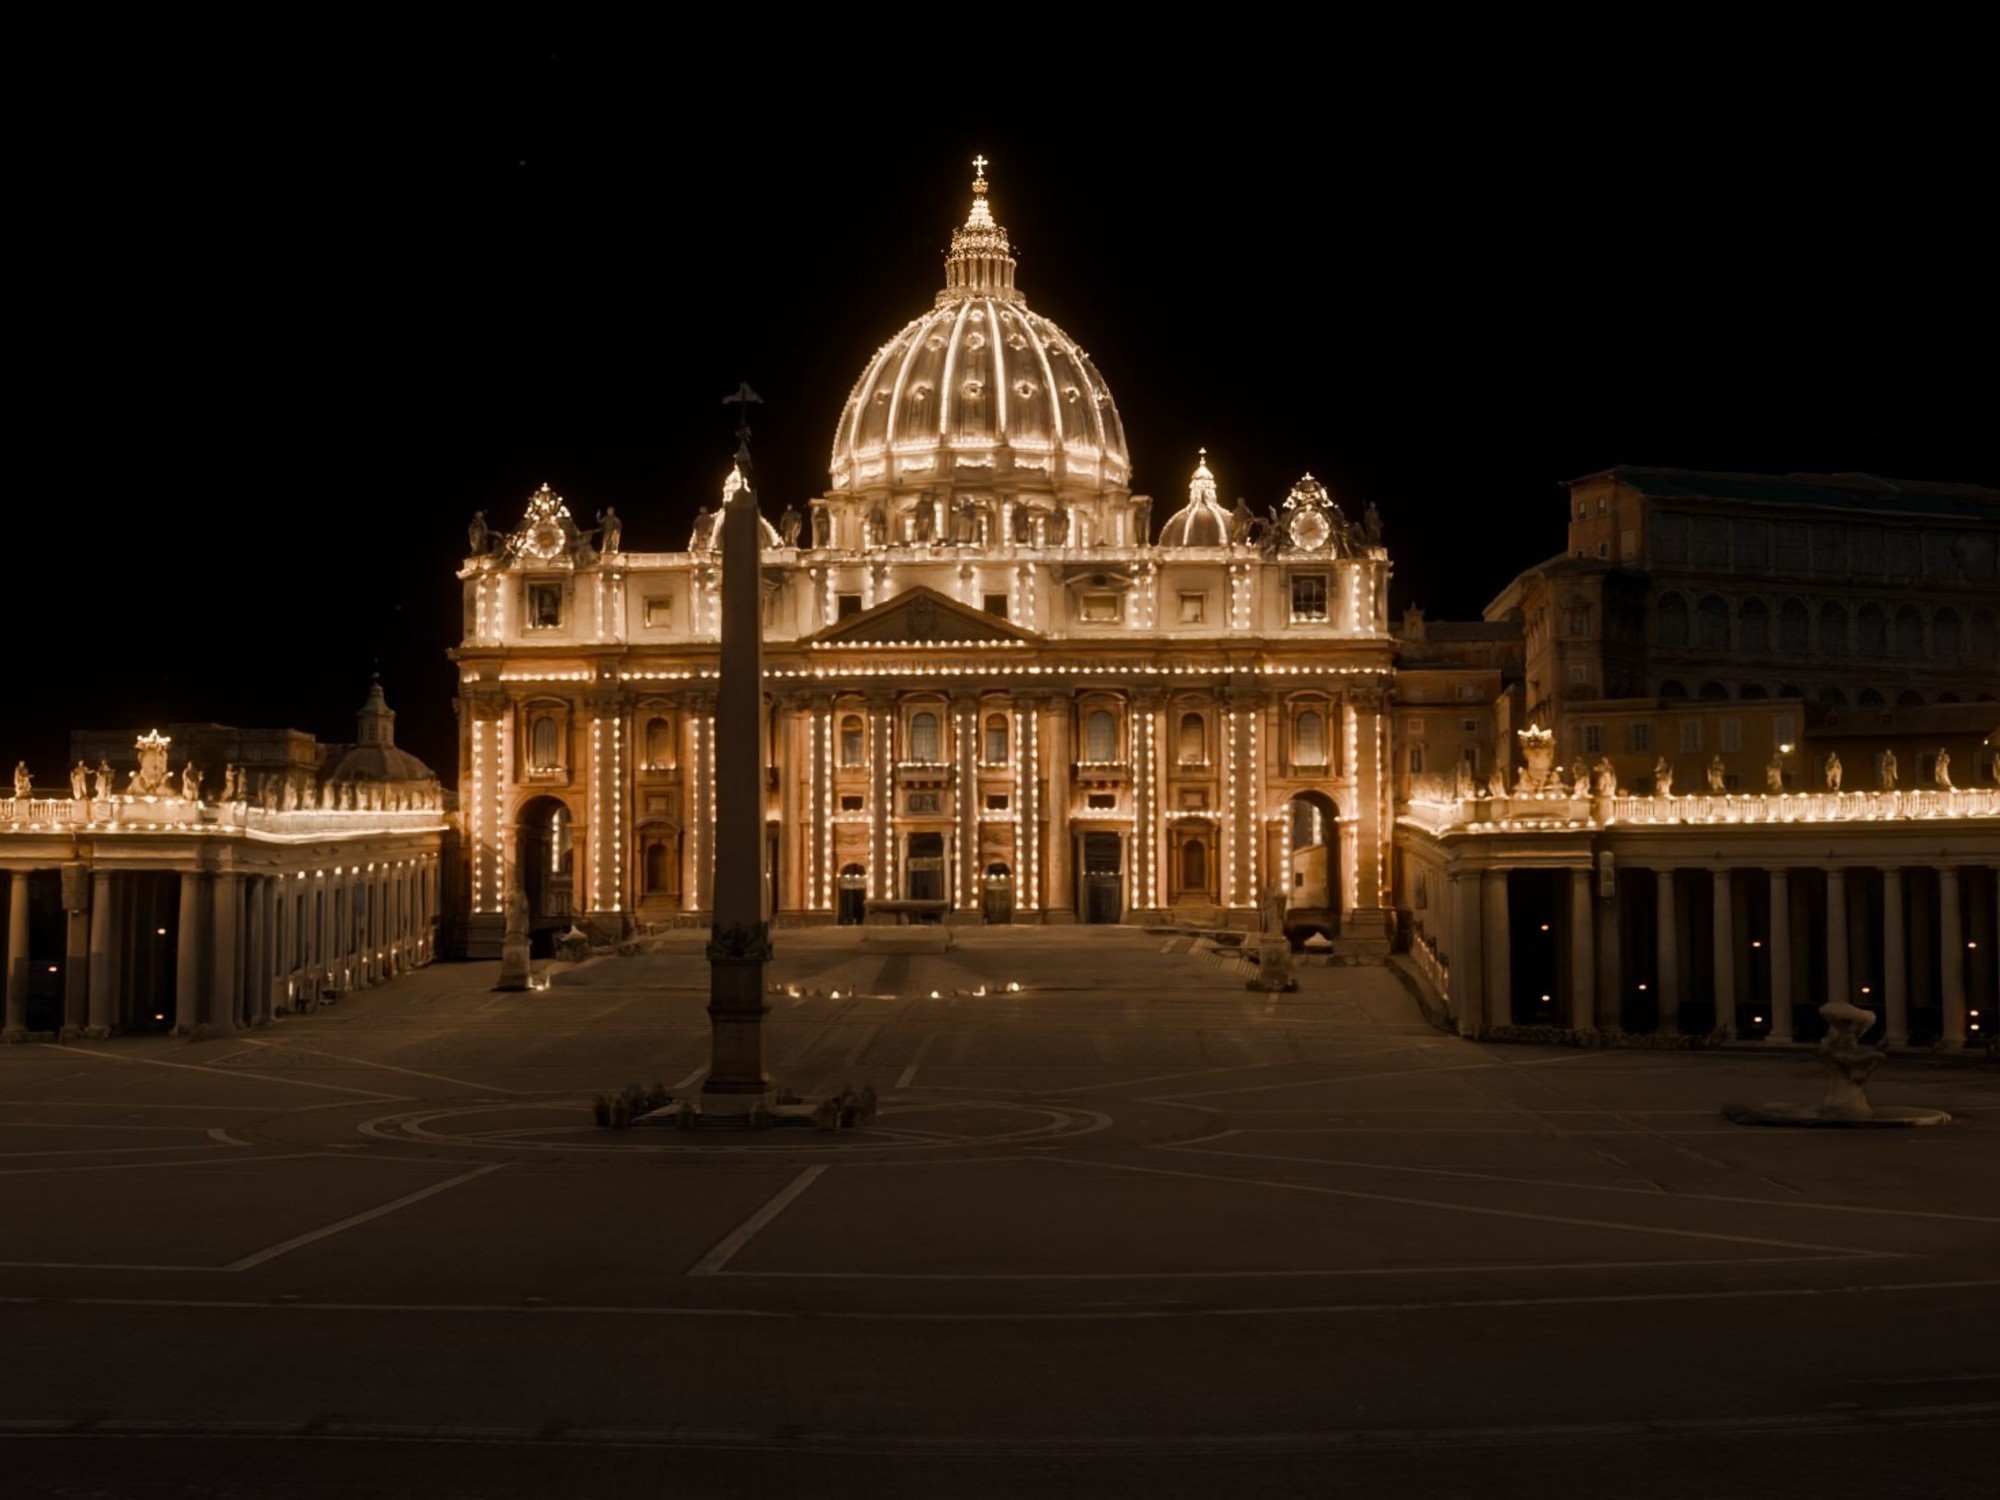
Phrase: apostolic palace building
{"type": "Point", "coordinates": [1729, 753]}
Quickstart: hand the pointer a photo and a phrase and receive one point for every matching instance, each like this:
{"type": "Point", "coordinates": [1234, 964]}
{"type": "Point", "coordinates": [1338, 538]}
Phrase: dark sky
{"type": "Point", "coordinates": [289, 329]}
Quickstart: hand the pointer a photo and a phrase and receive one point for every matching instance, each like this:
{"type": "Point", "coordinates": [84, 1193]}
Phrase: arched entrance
{"type": "Point", "coordinates": [1312, 899]}
{"type": "Point", "coordinates": [852, 896]}
{"type": "Point", "coordinates": [923, 869]}
{"type": "Point", "coordinates": [544, 862]}
{"type": "Point", "coordinates": [997, 901]}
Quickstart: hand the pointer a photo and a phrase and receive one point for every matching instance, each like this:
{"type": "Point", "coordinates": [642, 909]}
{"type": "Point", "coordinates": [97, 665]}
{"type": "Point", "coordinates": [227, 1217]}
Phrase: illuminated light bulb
{"type": "Point", "coordinates": [1013, 987]}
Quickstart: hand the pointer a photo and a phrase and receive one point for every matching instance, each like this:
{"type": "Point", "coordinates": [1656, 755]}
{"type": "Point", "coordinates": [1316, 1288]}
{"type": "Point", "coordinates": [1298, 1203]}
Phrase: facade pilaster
{"type": "Point", "coordinates": [1059, 889]}
{"type": "Point", "coordinates": [882, 883]}
{"type": "Point", "coordinates": [1371, 792]}
{"type": "Point", "coordinates": [965, 805]}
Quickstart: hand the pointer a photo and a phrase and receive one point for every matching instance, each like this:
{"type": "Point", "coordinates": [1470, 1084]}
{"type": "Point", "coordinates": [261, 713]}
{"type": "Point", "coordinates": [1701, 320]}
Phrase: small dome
{"type": "Point", "coordinates": [981, 387]}
{"type": "Point", "coordinates": [1201, 522]}
{"type": "Point", "coordinates": [374, 756]}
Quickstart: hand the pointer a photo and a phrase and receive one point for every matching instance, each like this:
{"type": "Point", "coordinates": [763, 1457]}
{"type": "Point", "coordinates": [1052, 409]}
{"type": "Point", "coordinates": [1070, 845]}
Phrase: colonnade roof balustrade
{"type": "Point", "coordinates": [1437, 812]}
{"type": "Point", "coordinates": [113, 815]}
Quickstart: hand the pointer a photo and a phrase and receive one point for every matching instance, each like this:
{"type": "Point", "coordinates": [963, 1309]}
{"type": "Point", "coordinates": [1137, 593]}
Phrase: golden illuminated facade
{"type": "Point", "coordinates": [992, 696]}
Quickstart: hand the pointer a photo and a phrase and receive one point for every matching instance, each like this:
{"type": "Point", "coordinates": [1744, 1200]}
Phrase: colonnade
{"type": "Point", "coordinates": [149, 944]}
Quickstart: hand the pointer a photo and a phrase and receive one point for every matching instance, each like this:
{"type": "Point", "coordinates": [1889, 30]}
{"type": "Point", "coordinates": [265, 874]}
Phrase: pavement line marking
{"type": "Point", "coordinates": [109, 1150]}
{"type": "Point", "coordinates": [297, 1083]}
{"type": "Point", "coordinates": [1094, 1315]}
{"type": "Point", "coordinates": [1589, 1187]}
{"type": "Point", "coordinates": [725, 1250]}
{"type": "Point", "coordinates": [692, 1079]}
{"type": "Point", "coordinates": [1739, 1262]}
{"type": "Point", "coordinates": [298, 1241]}
{"type": "Point", "coordinates": [359, 1062]}
{"type": "Point", "coordinates": [853, 1057]}
{"type": "Point", "coordinates": [1539, 1062]}
{"type": "Point", "coordinates": [909, 1074]}
{"type": "Point", "coordinates": [1466, 1208]}
{"type": "Point", "coordinates": [70, 1125]}
{"type": "Point", "coordinates": [159, 1166]}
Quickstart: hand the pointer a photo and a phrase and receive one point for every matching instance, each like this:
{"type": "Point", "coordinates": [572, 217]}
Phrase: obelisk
{"type": "Point", "coordinates": [740, 940]}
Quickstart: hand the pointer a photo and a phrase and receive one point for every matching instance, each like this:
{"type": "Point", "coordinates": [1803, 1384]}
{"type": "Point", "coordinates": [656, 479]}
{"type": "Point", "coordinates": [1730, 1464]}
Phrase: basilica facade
{"type": "Point", "coordinates": [992, 695]}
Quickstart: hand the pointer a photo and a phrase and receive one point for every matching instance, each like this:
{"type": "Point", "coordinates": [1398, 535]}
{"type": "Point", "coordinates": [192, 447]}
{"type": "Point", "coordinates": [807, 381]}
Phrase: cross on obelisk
{"type": "Point", "coordinates": [740, 940]}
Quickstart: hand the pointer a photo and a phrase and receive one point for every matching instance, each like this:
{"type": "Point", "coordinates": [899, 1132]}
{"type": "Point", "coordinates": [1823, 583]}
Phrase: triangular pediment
{"type": "Point", "coordinates": [920, 616]}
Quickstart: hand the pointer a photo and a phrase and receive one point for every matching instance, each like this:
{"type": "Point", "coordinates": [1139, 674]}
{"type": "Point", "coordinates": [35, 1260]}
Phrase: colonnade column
{"type": "Point", "coordinates": [102, 951]}
{"type": "Point", "coordinates": [263, 942]}
{"type": "Point", "coordinates": [17, 957]}
{"type": "Point", "coordinates": [187, 956]}
{"type": "Point", "coordinates": [1951, 957]}
{"type": "Point", "coordinates": [1610, 963]}
{"type": "Point", "coordinates": [1499, 953]}
{"type": "Point", "coordinates": [76, 948]}
{"type": "Point", "coordinates": [1723, 954]}
{"type": "Point", "coordinates": [226, 989]}
{"type": "Point", "coordinates": [1895, 973]}
{"type": "Point", "coordinates": [1839, 986]}
{"type": "Point", "coordinates": [1781, 956]}
{"type": "Point", "coordinates": [1582, 960]}
{"type": "Point", "coordinates": [1466, 953]}
{"type": "Point", "coordinates": [1667, 953]}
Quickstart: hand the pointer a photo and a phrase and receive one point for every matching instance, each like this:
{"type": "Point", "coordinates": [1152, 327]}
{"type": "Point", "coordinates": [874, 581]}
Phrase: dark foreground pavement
{"type": "Point", "coordinates": [1127, 1230]}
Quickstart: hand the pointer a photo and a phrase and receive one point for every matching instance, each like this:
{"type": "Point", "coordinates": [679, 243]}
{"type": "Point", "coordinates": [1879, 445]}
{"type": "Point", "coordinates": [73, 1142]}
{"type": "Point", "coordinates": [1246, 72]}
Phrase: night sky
{"type": "Point", "coordinates": [290, 333]}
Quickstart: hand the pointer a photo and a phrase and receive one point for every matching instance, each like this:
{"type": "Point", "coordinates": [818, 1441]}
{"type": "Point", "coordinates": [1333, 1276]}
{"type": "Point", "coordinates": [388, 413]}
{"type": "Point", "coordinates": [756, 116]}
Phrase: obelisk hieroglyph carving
{"type": "Point", "coordinates": [741, 938]}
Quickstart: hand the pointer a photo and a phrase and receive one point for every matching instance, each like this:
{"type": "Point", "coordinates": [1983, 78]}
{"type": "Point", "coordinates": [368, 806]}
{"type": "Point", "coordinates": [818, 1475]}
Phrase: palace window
{"type": "Point", "coordinates": [1638, 737]}
{"type": "Point", "coordinates": [996, 604]}
{"type": "Point", "coordinates": [660, 612]}
{"type": "Point", "coordinates": [1593, 739]}
{"type": "Point", "coordinates": [1309, 596]}
{"type": "Point", "coordinates": [845, 605]}
{"type": "Point", "coordinates": [1732, 734]}
{"type": "Point", "coordinates": [659, 745]}
{"type": "Point", "coordinates": [544, 606]}
{"type": "Point", "coordinates": [1194, 865]}
{"type": "Point", "coordinates": [850, 803]}
{"type": "Point", "coordinates": [1101, 801]}
{"type": "Point", "coordinates": [996, 739]}
{"type": "Point", "coordinates": [851, 753]}
{"type": "Point", "coordinates": [921, 802]}
{"type": "Point", "coordinates": [996, 802]}
{"type": "Point", "coordinates": [924, 738]}
{"type": "Point", "coordinates": [544, 744]}
{"type": "Point", "coordinates": [1309, 739]}
{"type": "Point", "coordinates": [1690, 734]}
{"type": "Point", "coordinates": [1194, 608]}
{"type": "Point", "coordinates": [1100, 736]}
{"type": "Point", "coordinates": [1102, 609]}
{"type": "Point", "coordinates": [1416, 759]}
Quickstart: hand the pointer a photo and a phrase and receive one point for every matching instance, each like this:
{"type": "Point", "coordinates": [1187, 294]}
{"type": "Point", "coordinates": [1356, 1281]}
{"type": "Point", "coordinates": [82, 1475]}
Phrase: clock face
{"type": "Point", "coordinates": [1309, 530]}
{"type": "Point", "coordinates": [546, 539]}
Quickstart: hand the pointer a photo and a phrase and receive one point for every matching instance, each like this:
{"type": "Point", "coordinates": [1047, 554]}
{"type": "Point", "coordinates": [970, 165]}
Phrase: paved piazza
{"type": "Point", "coordinates": [1129, 1229]}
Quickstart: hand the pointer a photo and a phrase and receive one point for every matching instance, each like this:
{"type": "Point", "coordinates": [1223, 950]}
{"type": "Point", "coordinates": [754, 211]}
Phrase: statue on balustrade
{"type": "Point", "coordinates": [103, 779]}
{"type": "Point", "coordinates": [478, 538]}
{"type": "Point", "coordinates": [789, 524]}
{"type": "Point", "coordinates": [79, 781]}
{"type": "Point", "coordinates": [1774, 774]}
{"type": "Point", "coordinates": [24, 784]}
{"type": "Point", "coordinates": [610, 530]}
{"type": "Point", "coordinates": [1606, 777]}
{"type": "Point", "coordinates": [1888, 770]}
{"type": "Point", "coordinates": [190, 783]}
{"type": "Point", "coordinates": [1717, 777]}
{"type": "Point", "coordinates": [1663, 778]}
{"type": "Point", "coordinates": [1943, 771]}
{"type": "Point", "coordinates": [1833, 770]}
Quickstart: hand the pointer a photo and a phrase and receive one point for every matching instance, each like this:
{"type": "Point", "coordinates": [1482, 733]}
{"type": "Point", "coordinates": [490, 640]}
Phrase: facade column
{"type": "Point", "coordinates": [1667, 954]}
{"type": "Point", "coordinates": [965, 806]}
{"type": "Point", "coordinates": [103, 951]}
{"type": "Point", "coordinates": [1839, 984]}
{"type": "Point", "coordinates": [1582, 957]}
{"type": "Point", "coordinates": [1371, 786]}
{"type": "Point", "coordinates": [701, 879]}
{"type": "Point", "coordinates": [1781, 956]}
{"type": "Point", "coordinates": [187, 955]}
{"type": "Point", "coordinates": [1951, 957]}
{"type": "Point", "coordinates": [1895, 964]}
{"type": "Point", "coordinates": [226, 986]}
{"type": "Point", "coordinates": [1026, 805]}
{"type": "Point", "coordinates": [1499, 958]}
{"type": "Point", "coordinates": [1723, 955]}
{"type": "Point", "coordinates": [1059, 889]}
{"type": "Point", "coordinates": [17, 957]}
{"type": "Point", "coordinates": [881, 798]}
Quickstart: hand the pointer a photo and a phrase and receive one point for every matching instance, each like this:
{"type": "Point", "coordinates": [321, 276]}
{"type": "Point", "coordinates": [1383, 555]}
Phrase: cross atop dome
{"type": "Point", "coordinates": [1201, 488]}
{"type": "Point", "coordinates": [980, 264]}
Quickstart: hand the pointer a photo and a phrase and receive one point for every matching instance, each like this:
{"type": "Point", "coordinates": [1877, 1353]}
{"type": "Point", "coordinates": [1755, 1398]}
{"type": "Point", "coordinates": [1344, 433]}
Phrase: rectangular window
{"type": "Point", "coordinates": [1102, 800]}
{"type": "Point", "coordinates": [1690, 734]}
{"type": "Point", "coordinates": [1102, 609]}
{"type": "Point", "coordinates": [996, 604]}
{"type": "Point", "coordinates": [845, 605]}
{"type": "Point", "coordinates": [996, 802]}
{"type": "Point", "coordinates": [1194, 608]}
{"type": "Point", "coordinates": [850, 804]}
{"type": "Point", "coordinates": [1416, 759]}
{"type": "Point", "coordinates": [1469, 690]}
{"type": "Point", "coordinates": [1413, 726]}
{"type": "Point", "coordinates": [921, 802]}
{"type": "Point", "coordinates": [544, 606]}
{"type": "Point", "coordinates": [1781, 729]}
{"type": "Point", "coordinates": [1578, 673]}
{"type": "Point", "coordinates": [1579, 622]}
{"type": "Point", "coordinates": [1638, 736]}
{"type": "Point", "coordinates": [1593, 739]}
{"type": "Point", "coordinates": [1194, 798]}
{"type": "Point", "coordinates": [1469, 726]}
{"type": "Point", "coordinates": [1732, 734]}
{"type": "Point", "coordinates": [660, 612]}
{"type": "Point", "coordinates": [1309, 596]}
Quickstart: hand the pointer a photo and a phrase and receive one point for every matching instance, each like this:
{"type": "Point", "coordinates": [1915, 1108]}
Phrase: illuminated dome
{"type": "Point", "coordinates": [1201, 522]}
{"type": "Point", "coordinates": [980, 392]}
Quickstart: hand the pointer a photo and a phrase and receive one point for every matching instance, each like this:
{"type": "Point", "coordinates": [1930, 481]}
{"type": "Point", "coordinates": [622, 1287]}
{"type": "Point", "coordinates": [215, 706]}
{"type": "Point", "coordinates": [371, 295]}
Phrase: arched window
{"type": "Point", "coordinates": [996, 739]}
{"type": "Point", "coordinates": [1673, 688]}
{"type": "Point", "coordinates": [1832, 697]}
{"type": "Point", "coordinates": [1874, 631]}
{"type": "Point", "coordinates": [659, 744]}
{"type": "Point", "coordinates": [1673, 620]}
{"type": "Point", "coordinates": [851, 742]}
{"type": "Point", "coordinates": [1944, 632]}
{"type": "Point", "coordinates": [1753, 624]}
{"type": "Point", "coordinates": [1194, 865]}
{"type": "Point", "coordinates": [1100, 736]}
{"type": "Point", "coordinates": [1309, 739]}
{"type": "Point", "coordinates": [1752, 690]}
{"type": "Point", "coordinates": [1711, 623]}
{"type": "Point", "coordinates": [1794, 626]}
{"type": "Point", "coordinates": [1907, 638]}
{"type": "Point", "coordinates": [924, 738]}
{"type": "Point", "coordinates": [1833, 628]}
{"type": "Point", "coordinates": [1194, 740]}
{"type": "Point", "coordinates": [1872, 698]}
{"type": "Point", "coordinates": [542, 744]}
{"type": "Point", "coordinates": [1983, 639]}
{"type": "Point", "coordinates": [1712, 691]}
